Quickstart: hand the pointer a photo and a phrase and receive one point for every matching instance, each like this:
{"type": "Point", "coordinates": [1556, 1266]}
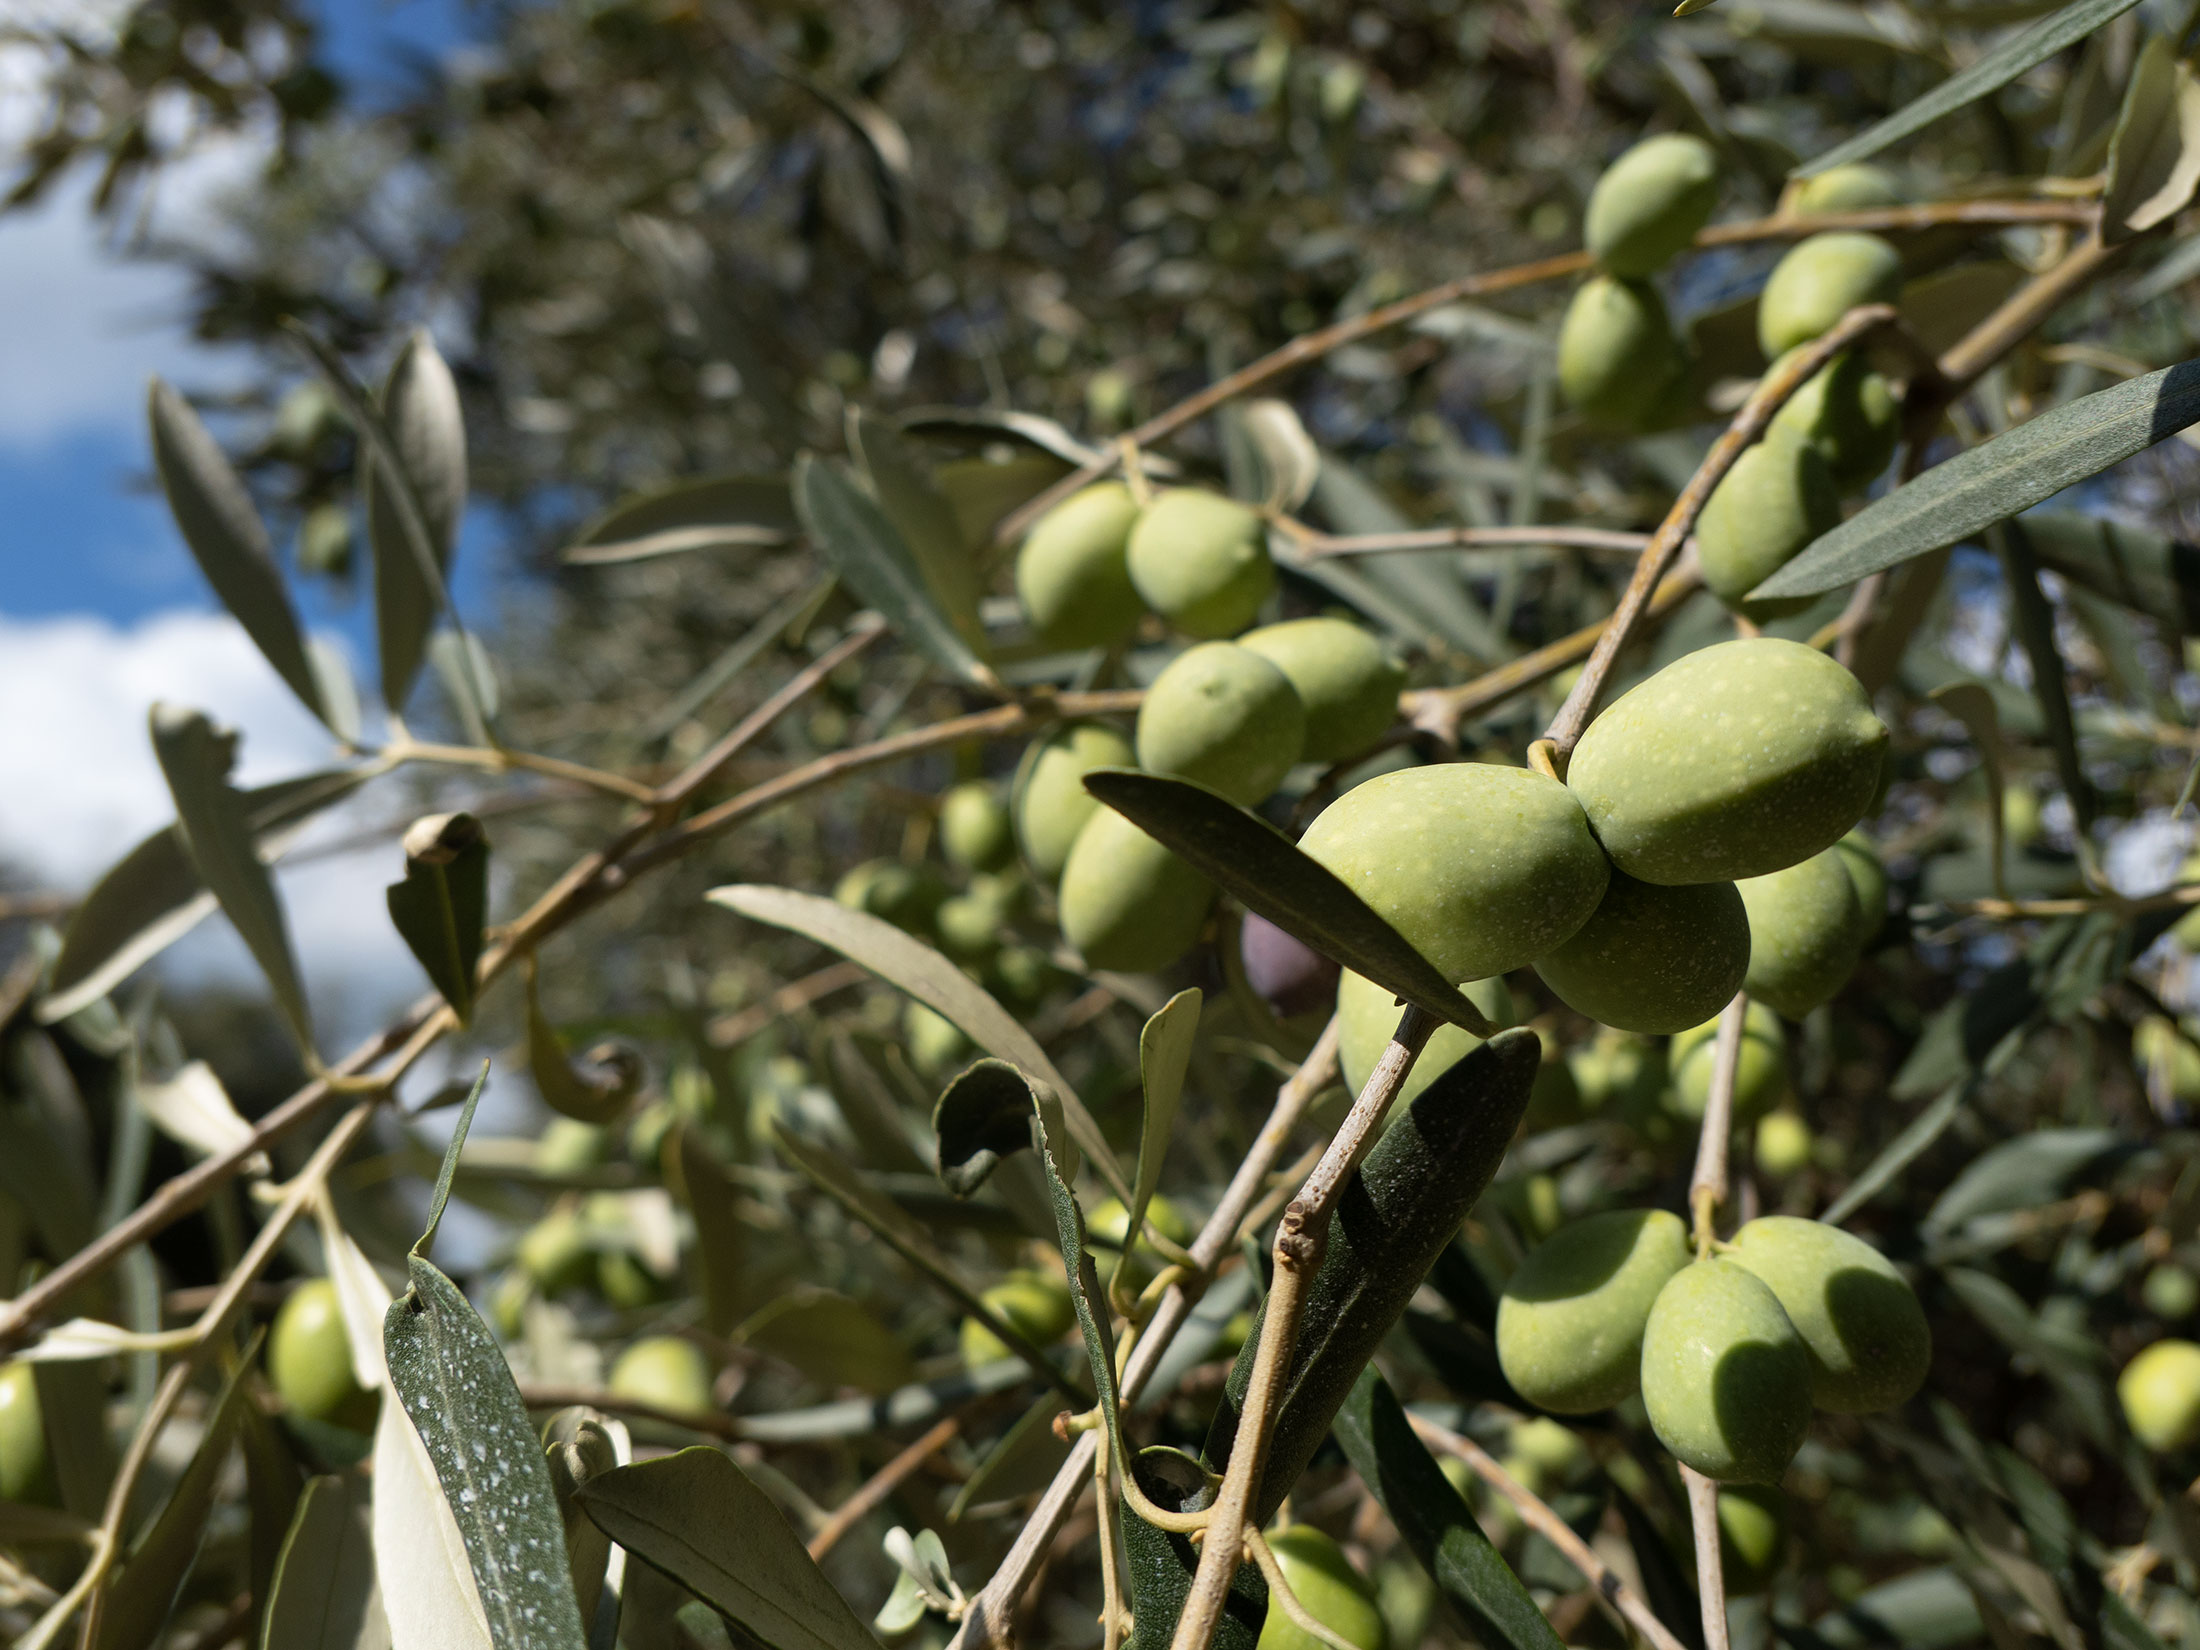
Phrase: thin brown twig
{"type": "Point", "coordinates": [739, 1026]}
{"type": "Point", "coordinates": [1318, 544]}
{"type": "Point", "coordinates": [883, 1483]}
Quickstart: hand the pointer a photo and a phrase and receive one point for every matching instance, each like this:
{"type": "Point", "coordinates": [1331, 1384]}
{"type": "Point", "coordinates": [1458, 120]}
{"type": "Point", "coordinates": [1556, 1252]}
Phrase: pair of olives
{"type": "Point", "coordinates": [1729, 1352]}
{"type": "Point", "coordinates": [1096, 563]}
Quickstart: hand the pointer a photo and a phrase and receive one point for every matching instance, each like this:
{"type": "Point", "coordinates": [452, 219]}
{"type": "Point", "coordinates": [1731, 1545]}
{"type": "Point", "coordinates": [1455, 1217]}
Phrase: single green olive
{"type": "Point", "coordinates": [1034, 1304]}
{"type": "Point", "coordinates": [1806, 931]}
{"type": "Point", "coordinates": [570, 1147]}
{"type": "Point", "coordinates": [1650, 202]}
{"type": "Point", "coordinates": [1752, 1536]}
{"type": "Point", "coordinates": [1760, 1070]}
{"type": "Point", "coordinates": [1725, 1377]}
{"type": "Point", "coordinates": [1778, 497]}
{"type": "Point", "coordinates": [1618, 1072]}
{"type": "Point", "coordinates": [1073, 572]}
{"type": "Point", "coordinates": [1345, 678]}
{"type": "Point", "coordinates": [1733, 761]}
{"type": "Point", "coordinates": [1554, 1100]}
{"type": "Point", "coordinates": [1201, 561]}
{"type": "Point", "coordinates": [1820, 280]}
{"type": "Point", "coordinates": [1323, 1580]}
{"type": "Point", "coordinates": [309, 1359]}
{"type": "Point", "coordinates": [1859, 1318]}
{"type": "Point", "coordinates": [1653, 959]}
{"type": "Point", "coordinates": [1849, 414]}
{"type": "Point", "coordinates": [968, 928]}
{"type": "Point", "coordinates": [1869, 875]}
{"type": "Point", "coordinates": [556, 1255]}
{"type": "Point", "coordinates": [1570, 1321]}
{"type": "Point", "coordinates": [1481, 868]}
{"type": "Point", "coordinates": [1128, 903]}
{"type": "Point", "coordinates": [26, 1465]}
{"type": "Point", "coordinates": [975, 830]}
{"type": "Point", "coordinates": [1367, 1015]}
{"type": "Point", "coordinates": [1852, 188]}
{"type": "Point", "coordinates": [1544, 1454]}
{"type": "Point", "coordinates": [1051, 802]}
{"type": "Point", "coordinates": [1617, 355]}
{"type": "Point", "coordinates": [1225, 717]}
{"type": "Point", "coordinates": [1783, 1143]}
{"type": "Point", "coordinates": [2170, 1292]}
{"type": "Point", "coordinates": [625, 1282]}
{"type": "Point", "coordinates": [2160, 1392]}
{"type": "Point", "coordinates": [935, 1044]}
{"type": "Point", "coordinates": [666, 1372]}
{"type": "Point", "coordinates": [903, 895]}
{"type": "Point", "coordinates": [1109, 1224]}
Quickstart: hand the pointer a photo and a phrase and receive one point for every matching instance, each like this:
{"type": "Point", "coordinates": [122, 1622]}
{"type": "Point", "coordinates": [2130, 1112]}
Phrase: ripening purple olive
{"type": "Point", "coordinates": [1286, 973]}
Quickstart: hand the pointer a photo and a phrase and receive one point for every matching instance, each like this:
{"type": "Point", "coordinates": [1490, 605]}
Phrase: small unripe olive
{"type": "Point", "coordinates": [1034, 1304]}
{"type": "Point", "coordinates": [1073, 573]}
{"type": "Point", "coordinates": [1343, 676]}
{"type": "Point", "coordinates": [1617, 355]}
{"type": "Point", "coordinates": [2020, 825]}
{"type": "Point", "coordinates": [1820, 280]}
{"type": "Point", "coordinates": [1482, 868]}
{"type": "Point", "coordinates": [2170, 1292]}
{"type": "Point", "coordinates": [1869, 875]}
{"type": "Point", "coordinates": [1570, 1322]}
{"type": "Point", "coordinates": [1548, 1450]}
{"type": "Point", "coordinates": [969, 929]}
{"type": "Point", "coordinates": [1760, 1071]}
{"type": "Point", "coordinates": [1724, 1375]}
{"type": "Point", "coordinates": [2160, 1391]}
{"type": "Point", "coordinates": [1650, 202]}
{"type": "Point", "coordinates": [1224, 717]}
{"type": "Point", "coordinates": [1733, 761]}
{"type": "Point", "coordinates": [1281, 969]}
{"type": "Point", "coordinates": [1554, 1099]}
{"type": "Point", "coordinates": [1852, 188]}
{"type": "Point", "coordinates": [1052, 803]}
{"type": "Point", "coordinates": [1777, 498]}
{"type": "Point", "coordinates": [309, 1359]}
{"type": "Point", "coordinates": [1367, 1015]}
{"type": "Point", "coordinates": [1323, 1580]}
{"type": "Point", "coordinates": [569, 1146]}
{"type": "Point", "coordinates": [1806, 930]}
{"type": "Point", "coordinates": [934, 1042]}
{"type": "Point", "coordinates": [1618, 1071]}
{"type": "Point", "coordinates": [1783, 1143]}
{"type": "Point", "coordinates": [2167, 1057]}
{"type": "Point", "coordinates": [1858, 1317]}
{"type": "Point", "coordinates": [556, 1255]}
{"type": "Point", "coordinates": [900, 894]}
{"type": "Point", "coordinates": [625, 1282]}
{"type": "Point", "coordinates": [1109, 1224]}
{"type": "Point", "coordinates": [1849, 414]}
{"type": "Point", "coordinates": [1752, 1536]}
{"type": "Point", "coordinates": [1127, 903]}
{"type": "Point", "coordinates": [665, 1372]}
{"type": "Point", "coordinates": [1020, 976]}
{"type": "Point", "coordinates": [1653, 959]}
{"type": "Point", "coordinates": [975, 832]}
{"type": "Point", "coordinates": [1201, 561]}
{"type": "Point", "coordinates": [26, 1467]}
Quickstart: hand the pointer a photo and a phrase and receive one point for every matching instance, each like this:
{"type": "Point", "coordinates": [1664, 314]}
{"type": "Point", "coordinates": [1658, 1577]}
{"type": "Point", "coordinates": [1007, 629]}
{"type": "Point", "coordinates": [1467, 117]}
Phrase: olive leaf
{"type": "Point", "coordinates": [833, 1340]}
{"type": "Point", "coordinates": [982, 1116]}
{"type": "Point", "coordinates": [712, 513]}
{"type": "Point", "coordinates": [1022, 1461]}
{"type": "Point", "coordinates": [1266, 871]}
{"type": "Point", "coordinates": [593, 1089]}
{"type": "Point", "coordinates": [1971, 704]}
{"type": "Point", "coordinates": [420, 411]}
{"type": "Point", "coordinates": [703, 1188]}
{"type": "Point", "coordinates": [580, 1445]}
{"type": "Point", "coordinates": [2146, 571]}
{"type": "Point", "coordinates": [440, 907]}
{"type": "Point", "coordinates": [1164, 1056]}
{"type": "Point", "coordinates": [1161, 1563]}
{"type": "Point", "coordinates": [2154, 156]}
{"type": "Point", "coordinates": [924, 518]}
{"type": "Point", "coordinates": [324, 1595]}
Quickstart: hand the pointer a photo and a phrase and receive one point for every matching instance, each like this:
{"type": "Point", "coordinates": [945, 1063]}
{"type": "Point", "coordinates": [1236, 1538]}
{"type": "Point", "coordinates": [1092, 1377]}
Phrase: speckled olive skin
{"type": "Point", "coordinates": [1777, 498]}
{"type": "Point", "coordinates": [1344, 677]}
{"type": "Point", "coordinates": [1849, 414]}
{"type": "Point", "coordinates": [1617, 356]}
{"type": "Point", "coordinates": [1859, 1318]}
{"type": "Point", "coordinates": [2160, 1392]}
{"type": "Point", "coordinates": [1733, 761]}
{"type": "Point", "coordinates": [1570, 1322]}
{"type": "Point", "coordinates": [1869, 877]}
{"type": "Point", "coordinates": [1819, 281]}
{"type": "Point", "coordinates": [975, 831]}
{"type": "Point", "coordinates": [1855, 188]}
{"type": "Point", "coordinates": [1653, 959]}
{"type": "Point", "coordinates": [1752, 1536]}
{"type": "Point", "coordinates": [1650, 202]}
{"type": "Point", "coordinates": [1051, 803]}
{"type": "Point", "coordinates": [26, 1468]}
{"type": "Point", "coordinates": [1367, 1014]}
{"type": "Point", "coordinates": [1806, 930]}
{"type": "Point", "coordinates": [665, 1372]}
{"type": "Point", "coordinates": [1201, 561]}
{"type": "Point", "coordinates": [1724, 1375]}
{"type": "Point", "coordinates": [1035, 1304]}
{"type": "Point", "coordinates": [309, 1359]}
{"type": "Point", "coordinates": [1073, 573]}
{"type": "Point", "coordinates": [1481, 868]}
{"type": "Point", "coordinates": [1128, 903]}
{"type": "Point", "coordinates": [1760, 1074]}
{"type": "Point", "coordinates": [1225, 717]}
{"type": "Point", "coordinates": [1323, 1580]}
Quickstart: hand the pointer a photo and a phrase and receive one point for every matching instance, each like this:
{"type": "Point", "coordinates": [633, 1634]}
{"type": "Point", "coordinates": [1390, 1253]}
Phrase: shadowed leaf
{"type": "Point", "coordinates": [915, 505]}
{"type": "Point", "coordinates": [982, 1116]}
{"type": "Point", "coordinates": [714, 513]}
{"type": "Point", "coordinates": [420, 411]}
{"type": "Point", "coordinates": [440, 907]}
{"type": "Point", "coordinates": [2154, 157]}
{"type": "Point", "coordinates": [833, 1340]}
{"type": "Point", "coordinates": [324, 1596]}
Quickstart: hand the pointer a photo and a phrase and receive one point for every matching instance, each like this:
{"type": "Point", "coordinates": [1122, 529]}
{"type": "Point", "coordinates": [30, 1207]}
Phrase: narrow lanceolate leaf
{"type": "Point", "coordinates": [447, 1370]}
{"type": "Point", "coordinates": [420, 412]}
{"type": "Point", "coordinates": [196, 757]}
{"type": "Point", "coordinates": [227, 538]}
{"type": "Point", "coordinates": [1161, 1563]}
{"type": "Point", "coordinates": [915, 505]}
{"type": "Point", "coordinates": [873, 560]}
{"type": "Point", "coordinates": [415, 1536]}
{"type": "Point", "coordinates": [324, 1596]}
{"type": "Point", "coordinates": [1164, 1056]}
{"type": "Point", "coordinates": [697, 1517]}
{"type": "Point", "coordinates": [2146, 571]}
{"type": "Point", "coordinates": [2154, 157]}
{"type": "Point", "coordinates": [1266, 872]}
{"type": "Point", "coordinates": [1996, 480]}
{"type": "Point", "coordinates": [714, 513]}
{"type": "Point", "coordinates": [1989, 74]}
{"type": "Point", "coordinates": [440, 907]}
{"type": "Point", "coordinates": [982, 1116]}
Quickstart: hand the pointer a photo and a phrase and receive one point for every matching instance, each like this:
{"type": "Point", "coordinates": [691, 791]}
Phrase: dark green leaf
{"type": "Point", "coordinates": [1162, 1563]}
{"type": "Point", "coordinates": [75, 1413]}
{"type": "Point", "coordinates": [721, 1241]}
{"type": "Point", "coordinates": [421, 415]}
{"type": "Point", "coordinates": [1021, 1462]}
{"type": "Point", "coordinates": [1899, 1153]}
{"type": "Point", "coordinates": [697, 1517]}
{"type": "Point", "coordinates": [2154, 156]}
{"type": "Point", "coordinates": [1927, 1609]}
{"type": "Point", "coordinates": [2022, 1173]}
{"type": "Point", "coordinates": [2068, 1357]}
{"type": "Point", "coordinates": [2035, 627]}
{"type": "Point", "coordinates": [1666, 1588]}
{"type": "Point", "coordinates": [923, 517]}
{"type": "Point", "coordinates": [1996, 480]}
{"type": "Point", "coordinates": [272, 1482]}
{"type": "Point", "coordinates": [1265, 870]}
{"type": "Point", "coordinates": [589, 1090]}
{"type": "Point", "coordinates": [443, 903]}
{"type": "Point", "coordinates": [982, 1116]}
{"type": "Point", "coordinates": [833, 1340]}
{"type": "Point", "coordinates": [715, 512]}
{"type": "Point", "coordinates": [324, 1596]}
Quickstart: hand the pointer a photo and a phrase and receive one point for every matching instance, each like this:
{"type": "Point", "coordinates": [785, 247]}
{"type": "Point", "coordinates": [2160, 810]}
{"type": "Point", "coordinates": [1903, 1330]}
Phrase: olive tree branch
{"type": "Point", "coordinates": [883, 1483]}
{"type": "Point", "coordinates": [1703, 1518]}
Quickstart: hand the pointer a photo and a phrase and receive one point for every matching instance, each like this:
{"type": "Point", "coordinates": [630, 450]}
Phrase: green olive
{"type": "Point", "coordinates": [1653, 959]}
{"type": "Point", "coordinates": [1323, 1580]}
{"type": "Point", "coordinates": [1725, 1377]}
{"type": "Point", "coordinates": [665, 1372]}
{"type": "Point", "coordinates": [1051, 802]}
{"type": "Point", "coordinates": [1733, 761]}
{"type": "Point", "coordinates": [1806, 931]}
{"type": "Point", "coordinates": [1617, 355]}
{"type": "Point", "coordinates": [1109, 1224]}
{"type": "Point", "coordinates": [1618, 1072]}
{"type": "Point", "coordinates": [1481, 868]}
{"type": "Point", "coordinates": [1034, 1304]}
{"type": "Point", "coordinates": [2170, 1292]}
{"type": "Point", "coordinates": [1073, 573]}
{"type": "Point", "coordinates": [1128, 904]}
{"type": "Point", "coordinates": [1859, 1318]}
{"type": "Point", "coordinates": [556, 1255]}
{"type": "Point", "coordinates": [1849, 414]}
{"type": "Point", "coordinates": [1544, 1454]}
{"type": "Point", "coordinates": [1783, 1143]}
{"type": "Point", "coordinates": [975, 831]}
{"type": "Point", "coordinates": [2020, 825]}
{"type": "Point", "coordinates": [1554, 1100]}
{"type": "Point", "coordinates": [2160, 1392]}
{"type": "Point", "coordinates": [1570, 1322]}
{"type": "Point", "coordinates": [1650, 202]}
{"type": "Point", "coordinates": [1760, 1071]}
{"type": "Point", "coordinates": [1752, 1536]}
{"type": "Point", "coordinates": [1367, 1014]}
{"type": "Point", "coordinates": [1778, 497]}
{"type": "Point", "coordinates": [570, 1147]}
{"type": "Point", "coordinates": [1852, 188]}
{"type": "Point", "coordinates": [1201, 561]}
{"type": "Point", "coordinates": [1861, 860]}
{"type": "Point", "coordinates": [1820, 280]}
{"type": "Point", "coordinates": [309, 1359]}
{"type": "Point", "coordinates": [900, 894]}
{"type": "Point", "coordinates": [1225, 717]}
{"type": "Point", "coordinates": [26, 1466]}
{"type": "Point", "coordinates": [935, 1043]}
{"type": "Point", "coordinates": [1345, 678]}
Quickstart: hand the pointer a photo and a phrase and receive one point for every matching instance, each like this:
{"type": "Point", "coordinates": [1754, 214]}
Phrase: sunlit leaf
{"type": "Point", "coordinates": [2154, 157]}
{"type": "Point", "coordinates": [589, 1090]}
{"type": "Point", "coordinates": [712, 513]}
{"type": "Point", "coordinates": [193, 1107]}
{"type": "Point", "coordinates": [1164, 1056]}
